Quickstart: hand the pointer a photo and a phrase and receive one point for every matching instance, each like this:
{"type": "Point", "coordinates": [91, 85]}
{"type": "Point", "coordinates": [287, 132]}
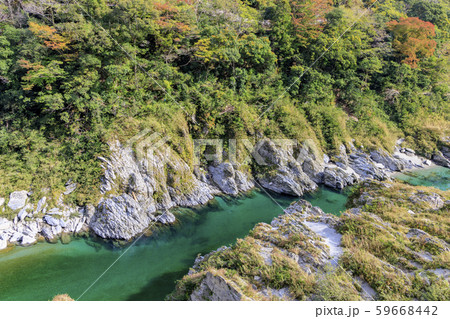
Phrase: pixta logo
{"type": "Point", "coordinates": [235, 151]}
{"type": "Point", "coordinates": [146, 143]}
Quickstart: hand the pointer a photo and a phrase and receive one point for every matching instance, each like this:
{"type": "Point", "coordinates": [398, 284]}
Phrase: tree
{"type": "Point", "coordinates": [412, 37]}
{"type": "Point", "coordinates": [308, 17]}
{"type": "Point", "coordinates": [51, 38]}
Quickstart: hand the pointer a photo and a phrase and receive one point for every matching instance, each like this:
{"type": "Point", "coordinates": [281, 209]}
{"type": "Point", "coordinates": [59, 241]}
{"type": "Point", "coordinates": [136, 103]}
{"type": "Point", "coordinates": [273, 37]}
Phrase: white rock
{"type": "Point", "coordinates": [16, 237]}
{"type": "Point", "coordinates": [3, 244]}
{"type": "Point", "coordinates": [41, 204]}
{"type": "Point", "coordinates": [17, 199]}
{"type": "Point", "coordinates": [47, 233]}
{"type": "Point", "coordinates": [52, 221]}
{"type": "Point", "coordinates": [2, 201]}
{"type": "Point", "coordinates": [27, 240]}
{"type": "Point", "coordinates": [54, 211]}
{"type": "Point", "coordinates": [57, 229]}
{"type": "Point", "coordinates": [78, 227]}
{"type": "Point", "coordinates": [166, 218]}
{"type": "Point", "coordinates": [5, 224]}
{"type": "Point", "coordinates": [70, 188]}
{"type": "Point", "coordinates": [22, 214]}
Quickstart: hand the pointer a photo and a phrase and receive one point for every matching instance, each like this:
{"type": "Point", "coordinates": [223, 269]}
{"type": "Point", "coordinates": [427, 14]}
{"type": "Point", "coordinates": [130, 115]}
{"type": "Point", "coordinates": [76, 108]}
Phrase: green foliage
{"type": "Point", "coordinates": [277, 68]}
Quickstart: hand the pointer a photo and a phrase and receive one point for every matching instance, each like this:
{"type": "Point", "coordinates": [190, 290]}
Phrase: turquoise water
{"type": "Point", "coordinates": [437, 176]}
{"type": "Point", "coordinates": [148, 270]}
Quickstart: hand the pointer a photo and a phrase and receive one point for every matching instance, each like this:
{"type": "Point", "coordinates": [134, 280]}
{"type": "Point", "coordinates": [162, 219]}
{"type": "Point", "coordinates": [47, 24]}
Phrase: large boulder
{"type": "Point", "coordinates": [216, 288]}
{"type": "Point", "coordinates": [383, 157]}
{"type": "Point", "coordinates": [48, 234]}
{"type": "Point", "coordinates": [224, 177]}
{"type": "Point", "coordinates": [121, 217]}
{"type": "Point", "coordinates": [27, 240]}
{"type": "Point", "coordinates": [280, 172]}
{"type": "Point", "coordinates": [440, 159]}
{"type": "Point", "coordinates": [166, 218]}
{"type": "Point", "coordinates": [5, 224]}
{"type": "Point", "coordinates": [229, 180]}
{"type": "Point", "coordinates": [52, 221]}
{"type": "Point", "coordinates": [17, 199]}
{"type": "Point", "coordinates": [22, 214]}
{"type": "Point", "coordinates": [338, 178]}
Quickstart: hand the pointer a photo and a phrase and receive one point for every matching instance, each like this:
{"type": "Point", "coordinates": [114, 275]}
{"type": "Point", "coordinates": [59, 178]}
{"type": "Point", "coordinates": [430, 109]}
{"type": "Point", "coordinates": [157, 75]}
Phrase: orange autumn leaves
{"type": "Point", "coordinates": [413, 39]}
{"type": "Point", "coordinates": [308, 17]}
{"type": "Point", "coordinates": [38, 74]}
{"type": "Point", "coordinates": [167, 16]}
{"type": "Point", "coordinates": [52, 39]}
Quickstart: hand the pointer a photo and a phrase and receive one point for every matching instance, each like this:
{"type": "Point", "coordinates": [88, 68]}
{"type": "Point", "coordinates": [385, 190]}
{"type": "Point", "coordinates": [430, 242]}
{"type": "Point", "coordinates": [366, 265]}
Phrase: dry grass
{"type": "Point", "coordinates": [63, 297]}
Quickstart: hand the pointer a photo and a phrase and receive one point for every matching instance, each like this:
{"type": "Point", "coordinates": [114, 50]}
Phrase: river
{"type": "Point", "coordinates": [149, 269]}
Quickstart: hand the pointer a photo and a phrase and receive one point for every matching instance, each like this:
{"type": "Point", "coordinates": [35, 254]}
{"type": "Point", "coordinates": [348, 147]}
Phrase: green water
{"type": "Point", "coordinates": [149, 269]}
{"type": "Point", "coordinates": [437, 176]}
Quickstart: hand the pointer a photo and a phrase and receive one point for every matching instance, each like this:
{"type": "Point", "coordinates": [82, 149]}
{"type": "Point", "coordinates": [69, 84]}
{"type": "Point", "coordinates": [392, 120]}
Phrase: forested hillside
{"type": "Point", "coordinates": [74, 74]}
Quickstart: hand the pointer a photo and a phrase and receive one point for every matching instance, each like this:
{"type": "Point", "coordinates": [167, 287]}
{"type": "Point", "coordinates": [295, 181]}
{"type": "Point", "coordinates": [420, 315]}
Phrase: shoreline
{"type": "Point", "coordinates": [150, 245]}
{"type": "Point", "coordinates": [410, 170]}
{"type": "Point", "coordinates": [121, 244]}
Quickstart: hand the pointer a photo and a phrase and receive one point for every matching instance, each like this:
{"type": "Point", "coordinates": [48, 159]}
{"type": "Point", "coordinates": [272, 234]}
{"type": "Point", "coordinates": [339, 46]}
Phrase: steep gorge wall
{"type": "Point", "coordinates": [138, 192]}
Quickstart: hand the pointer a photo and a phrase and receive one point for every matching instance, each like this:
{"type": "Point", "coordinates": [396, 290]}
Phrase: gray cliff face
{"type": "Point", "coordinates": [229, 180]}
{"type": "Point", "coordinates": [121, 217]}
{"type": "Point", "coordinates": [215, 288]}
{"type": "Point", "coordinates": [136, 189]}
{"type": "Point", "coordinates": [137, 192]}
{"type": "Point", "coordinates": [286, 175]}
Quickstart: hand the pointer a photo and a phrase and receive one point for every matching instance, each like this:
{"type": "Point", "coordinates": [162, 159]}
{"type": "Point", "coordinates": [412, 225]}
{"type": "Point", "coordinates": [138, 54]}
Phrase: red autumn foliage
{"type": "Point", "coordinates": [413, 39]}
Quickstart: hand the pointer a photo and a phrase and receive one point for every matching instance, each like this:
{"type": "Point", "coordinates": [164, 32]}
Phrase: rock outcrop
{"type": "Point", "coordinates": [281, 172]}
{"type": "Point", "coordinates": [303, 240]}
{"type": "Point", "coordinates": [229, 180]}
{"type": "Point", "coordinates": [305, 254]}
{"type": "Point", "coordinates": [139, 190]}
{"type": "Point", "coordinates": [121, 217]}
{"type": "Point", "coordinates": [17, 199]}
{"type": "Point", "coordinates": [216, 288]}
{"type": "Point", "coordinates": [32, 221]}
{"type": "Point", "coordinates": [440, 159]}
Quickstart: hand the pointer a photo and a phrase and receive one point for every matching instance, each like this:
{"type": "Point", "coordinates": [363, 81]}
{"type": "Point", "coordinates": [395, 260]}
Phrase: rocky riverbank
{"type": "Point", "coordinates": [139, 192]}
{"type": "Point", "coordinates": [393, 244]}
